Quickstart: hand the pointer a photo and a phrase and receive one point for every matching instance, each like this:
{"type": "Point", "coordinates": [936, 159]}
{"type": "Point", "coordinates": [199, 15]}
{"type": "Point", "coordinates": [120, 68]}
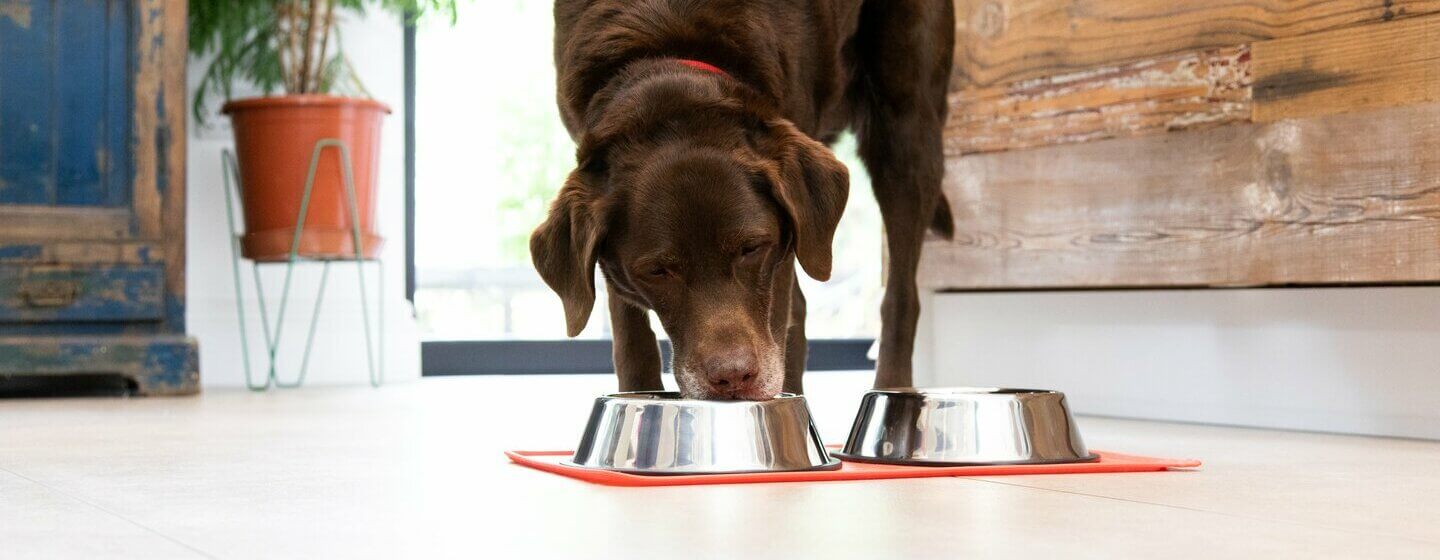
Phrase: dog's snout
{"type": "Point", "coordinates": [731, 369]}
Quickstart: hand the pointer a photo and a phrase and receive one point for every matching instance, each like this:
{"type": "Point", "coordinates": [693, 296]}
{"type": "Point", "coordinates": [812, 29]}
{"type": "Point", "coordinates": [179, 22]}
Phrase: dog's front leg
{"type": "Point", "coordinates": [636, 352]}
{"type": "Point", "coordinates": [796, 346]}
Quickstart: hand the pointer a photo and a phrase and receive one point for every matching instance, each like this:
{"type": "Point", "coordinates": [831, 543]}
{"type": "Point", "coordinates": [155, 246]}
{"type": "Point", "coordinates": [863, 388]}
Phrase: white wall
{"type": "Point", "coordinates": [375, 46]}
{"type": "Point", "coordinates": [1352, 360]}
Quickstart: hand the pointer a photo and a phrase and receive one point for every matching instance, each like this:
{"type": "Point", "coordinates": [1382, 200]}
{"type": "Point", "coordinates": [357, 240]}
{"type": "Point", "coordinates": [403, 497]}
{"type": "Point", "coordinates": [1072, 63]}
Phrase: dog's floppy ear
{"type": "Point", "coordinates": [812, 186]}
{"type": "Point", "coordinates": [563, 248]}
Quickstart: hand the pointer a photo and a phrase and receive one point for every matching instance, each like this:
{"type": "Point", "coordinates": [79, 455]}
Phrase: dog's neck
{"type": "Point", "coordinates": [703, 66]}
{"type": "Point", "coordinates": [658, 80]}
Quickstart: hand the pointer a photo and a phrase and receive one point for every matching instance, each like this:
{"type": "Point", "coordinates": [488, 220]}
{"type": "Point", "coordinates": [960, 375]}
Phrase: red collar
{"type": "Point", "coordinates": [703, 66]}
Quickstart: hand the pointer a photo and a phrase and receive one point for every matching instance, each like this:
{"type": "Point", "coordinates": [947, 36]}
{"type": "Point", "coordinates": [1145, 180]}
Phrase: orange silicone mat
{"type": "Point", "coordinates": [549, 461]}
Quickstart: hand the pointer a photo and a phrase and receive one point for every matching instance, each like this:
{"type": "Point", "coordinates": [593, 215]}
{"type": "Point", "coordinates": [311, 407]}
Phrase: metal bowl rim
{"type": "Point", "coordinates": [964, 392]}
{"type": "Point", "coordinates": [654, 397]}
{"type": "Point", "coordinates": [830, 464]}
{"type": "Point", "coordinates": [1089, 458]}
{"type": "Point", "coordinates": [672, 399]}
{"type": "Point", "coordinates": [991, 395]}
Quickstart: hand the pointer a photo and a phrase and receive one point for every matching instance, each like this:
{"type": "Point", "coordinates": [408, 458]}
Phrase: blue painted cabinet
{"type": "Point", "coordinates": [92, 198]}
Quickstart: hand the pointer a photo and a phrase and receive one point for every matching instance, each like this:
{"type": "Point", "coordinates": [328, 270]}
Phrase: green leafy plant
{"type": "Point", "coordinates": [283, 45]}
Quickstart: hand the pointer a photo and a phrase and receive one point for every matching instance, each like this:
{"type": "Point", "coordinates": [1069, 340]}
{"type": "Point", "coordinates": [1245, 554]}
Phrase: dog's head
{"type": "Point", "coordinates": [696, 205]}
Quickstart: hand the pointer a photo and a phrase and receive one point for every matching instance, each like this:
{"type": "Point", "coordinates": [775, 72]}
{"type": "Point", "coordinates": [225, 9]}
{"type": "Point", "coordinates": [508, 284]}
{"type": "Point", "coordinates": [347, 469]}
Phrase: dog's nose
{"type": "Point", "coordinates": [731, 369]}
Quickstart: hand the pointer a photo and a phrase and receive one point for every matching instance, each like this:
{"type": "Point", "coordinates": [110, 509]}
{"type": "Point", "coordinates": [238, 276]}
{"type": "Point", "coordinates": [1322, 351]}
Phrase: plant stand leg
{"type": "Point", "coordinates": [273, 336]}
{"type": "Point", "coordinates": [377, 375]}
{"type": "Point", "coordinates": [231, 173]}
{"type": "Point", "coordinates": [310, 336]}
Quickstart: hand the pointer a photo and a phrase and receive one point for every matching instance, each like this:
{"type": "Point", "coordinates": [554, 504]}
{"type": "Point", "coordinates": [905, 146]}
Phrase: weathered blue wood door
{"type": "Point", "coordinates": [65, 102]}
{"type": "Point", "coordinates": [91, 191]}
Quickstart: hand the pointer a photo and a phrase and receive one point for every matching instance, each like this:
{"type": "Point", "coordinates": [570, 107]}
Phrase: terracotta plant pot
{"type": "Point", "coordinates": [274, 138]}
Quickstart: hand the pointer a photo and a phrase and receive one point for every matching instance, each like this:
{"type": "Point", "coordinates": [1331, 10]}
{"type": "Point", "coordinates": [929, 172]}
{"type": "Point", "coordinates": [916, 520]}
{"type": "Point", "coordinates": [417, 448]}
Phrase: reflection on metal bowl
{"type": "Point", "coordinates": [964, 426]}
{"type": "Point", "coordinates": [656, 432]}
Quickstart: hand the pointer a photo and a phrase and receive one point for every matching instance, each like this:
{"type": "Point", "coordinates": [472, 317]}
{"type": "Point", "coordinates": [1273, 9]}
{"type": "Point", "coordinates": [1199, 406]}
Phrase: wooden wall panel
{"type": "Point", "coordinates": [1386, 64]}
{"type": "Point", "coordinates": [1004, 41]}
{"type": "Point", "coordinates": [1352, 198]}
{"type": "Point", "coordinates": [1175, 92]}
{"type": "Point", "coordinates": [1248, 143]}
{"type": "Point", "coordinates": [1348, 70]}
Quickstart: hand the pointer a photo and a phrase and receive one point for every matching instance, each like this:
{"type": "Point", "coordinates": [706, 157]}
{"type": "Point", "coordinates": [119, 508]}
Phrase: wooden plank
{"type": "Point", "coordinates": [170, 148]}
{"type": "Point", "coordinates": [1348, 70]}
{"type": "Point", "coordinates": [148, 83]}
{"type": "Point", "coordinates": [56, 142]}
{"type": "Point", "coordinates": [119, 156]}
{"type": "Point", "coordinates": [27, 86]}
{"type": "Point", "coordinates": [1002, 41]}
{"type": "Point", "coordinates": [1175, 92]}
{"type": "Point", "coordinates": [80, 150]}
{"type": "Point", "coordinates": [127, 252]}
{"type": "Point", "coordinates": [1352, 198]}
{"type": "Point", "coordinates": [156, 365]}
{"type": "Point", "coordinates": [81, 294]}
{"type": "Point", "coordinates": [158, 191]}
{"type": "Point", "coordinates": [53, 223]}
{"type": "Point", "coordinates": [80, 252]}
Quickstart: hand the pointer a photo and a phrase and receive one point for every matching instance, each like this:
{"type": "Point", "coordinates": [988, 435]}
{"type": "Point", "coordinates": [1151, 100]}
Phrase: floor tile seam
{"type": "Point", "coordinates": [111, 513]}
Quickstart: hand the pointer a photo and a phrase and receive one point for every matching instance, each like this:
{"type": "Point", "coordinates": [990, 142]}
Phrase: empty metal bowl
{"type": "Point", "coordinates": [964, 426]}
{"type": "Point", "coordinates": [657, 432]}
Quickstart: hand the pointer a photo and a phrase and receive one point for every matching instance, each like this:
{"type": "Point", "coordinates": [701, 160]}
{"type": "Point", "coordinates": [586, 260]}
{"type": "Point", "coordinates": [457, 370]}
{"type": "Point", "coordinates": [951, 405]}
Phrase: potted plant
{"type": "Point", "coordinates": [293, 48]}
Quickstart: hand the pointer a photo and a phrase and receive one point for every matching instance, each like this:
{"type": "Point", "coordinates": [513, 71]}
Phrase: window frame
{"type": "Point", "coordinates": [531, 357]}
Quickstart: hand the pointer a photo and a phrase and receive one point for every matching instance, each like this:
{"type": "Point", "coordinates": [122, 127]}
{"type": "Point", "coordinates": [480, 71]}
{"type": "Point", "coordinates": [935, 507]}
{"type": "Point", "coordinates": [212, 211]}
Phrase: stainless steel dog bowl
{"type": "Point", "coordinates": [964, 426]}
{"type": "Point", "coordinates": [656, 432]}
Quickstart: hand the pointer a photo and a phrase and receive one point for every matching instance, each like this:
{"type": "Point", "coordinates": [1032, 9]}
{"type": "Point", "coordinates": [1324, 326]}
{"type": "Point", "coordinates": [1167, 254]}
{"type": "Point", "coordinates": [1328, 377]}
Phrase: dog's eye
{"type": "Point", "coordinates": [752, 249]}
{"type": "Point", "coordinates": [659, 272]}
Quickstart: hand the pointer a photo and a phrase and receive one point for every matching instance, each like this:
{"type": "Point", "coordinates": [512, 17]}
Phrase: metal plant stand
{"type": "Point", "coordinates": [375, 361]}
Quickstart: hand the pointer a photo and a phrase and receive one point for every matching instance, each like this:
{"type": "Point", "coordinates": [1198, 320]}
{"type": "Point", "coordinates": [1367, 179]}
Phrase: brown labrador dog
{"type": "Point", "coordinates": [702, 178]}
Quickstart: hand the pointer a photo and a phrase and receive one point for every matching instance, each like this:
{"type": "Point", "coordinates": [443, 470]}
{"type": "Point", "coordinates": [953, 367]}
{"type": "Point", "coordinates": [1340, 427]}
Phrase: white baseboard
{"type": "Point", "coordinates": [1348, 360]}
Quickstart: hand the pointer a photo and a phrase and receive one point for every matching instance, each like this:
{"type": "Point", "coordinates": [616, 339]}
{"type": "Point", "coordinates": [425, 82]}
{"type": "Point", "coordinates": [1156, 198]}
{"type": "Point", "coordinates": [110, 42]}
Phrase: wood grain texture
{"type": "Point", "coordinates": [171, 158]}
{"type": "Point", "coordinates": [159, 141]}
{"type": "Point", "coordinates": [80, 294]}
{"type": "Point", "coordinates": [1348, 70]}
{"type": "Point", "coordinates": [149, 145]}
{"type": "Point", "coordinates": [156, 365]}
{"type": "Point", "coordinates": [1175, 92]}
{"type": "Point", "coordinates": [49, 223]}
{"type": "Point", "coordinates": [85, 288]}
{"type": "Point", "coordinates": [65, 104]}
{"type": "Point", "coordinates": [1351, 198]}
{"type": "Point", "coordinates": [1003, 41]}
{"type": "Point", "coordinates": [27, 142]}
{"type": "Point", "coordinates": [79, 252]}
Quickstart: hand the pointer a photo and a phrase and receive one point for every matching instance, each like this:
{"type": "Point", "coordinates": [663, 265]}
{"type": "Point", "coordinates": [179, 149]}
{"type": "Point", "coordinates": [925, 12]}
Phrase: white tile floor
{"type": "Point", "coordinates": [416, 471]}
